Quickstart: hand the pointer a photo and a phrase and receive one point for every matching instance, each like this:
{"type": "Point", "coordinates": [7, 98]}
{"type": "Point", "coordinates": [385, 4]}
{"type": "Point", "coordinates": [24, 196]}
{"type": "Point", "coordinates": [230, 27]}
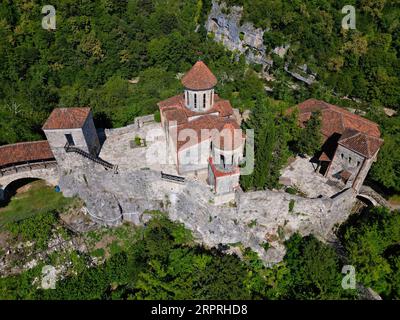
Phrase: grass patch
{"type": "Point", "coordinates": [395, 199]}
{"type": "Point", "coordinates": [252, 224]}
{"type": "Point", "coordinates": [98, 253]}
{"type": "Point", "coordinates": [39, 198]}
{"type": "Point", "coordinates": [266, 246]}
{"type": "Point", "coordinates": [291, 205]}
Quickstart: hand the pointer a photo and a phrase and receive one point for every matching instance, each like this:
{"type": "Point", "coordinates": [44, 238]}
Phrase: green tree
{"type": "Point", "coordinates": [314, 270]}
{"type": "Point", "coordinates": [372, 243]}
{"type": "Point", "coordinates": [310, 138]}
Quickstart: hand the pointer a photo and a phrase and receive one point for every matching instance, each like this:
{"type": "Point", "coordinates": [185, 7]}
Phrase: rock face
{"type": "Point", "coordinates": [256, 218]}
{"type": "Point", "coordinates": [224, 23]}
{"type": "Point", "coordinates": [243, 38]}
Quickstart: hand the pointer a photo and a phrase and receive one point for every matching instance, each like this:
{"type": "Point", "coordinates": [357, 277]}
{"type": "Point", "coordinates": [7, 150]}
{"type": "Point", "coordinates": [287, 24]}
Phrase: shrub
{"type": "Point", "coordinates": [157, 116]}
{"type": "Point", "coordinates": [291, 205]}
{"type": "Point", "coordinates": [138, 141]}
{"type": "Point", "coordinates": [291, 190]}
{"type": "Point", "coordinates": [37, 229]}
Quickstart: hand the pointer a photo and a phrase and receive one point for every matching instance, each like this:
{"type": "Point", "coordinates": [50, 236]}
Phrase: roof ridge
{"type": "Point", "coordinates": [342, 111]}
{"type": "Point", "coordinates": [350, 137]}
{"type": "Point", "coordinates": [23, 142]}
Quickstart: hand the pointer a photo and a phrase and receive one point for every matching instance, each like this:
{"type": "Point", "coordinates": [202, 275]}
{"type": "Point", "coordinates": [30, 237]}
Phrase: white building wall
{"type": "Point", "coordinates": [199, 101]}
{"type": "Point", "coordinates": [227, 184]}
{"type": "Point", "coordinates": [57, 141]}
{"type": "Point", "coordinates": [232, 157]}
{"type": "Point", "coordinates": [348, 160]}
{"type": "Point", "coordinates": [194, 158]}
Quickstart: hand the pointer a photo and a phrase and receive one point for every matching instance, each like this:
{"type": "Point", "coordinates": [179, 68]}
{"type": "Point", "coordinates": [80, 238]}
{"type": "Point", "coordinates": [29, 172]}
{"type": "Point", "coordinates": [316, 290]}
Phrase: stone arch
{"type": "Point", "coordinates": [367, 200]}
{"type": "Point", "coordinates": [10, 190]}
{"type": "Point", "coordinates": [7, 182]}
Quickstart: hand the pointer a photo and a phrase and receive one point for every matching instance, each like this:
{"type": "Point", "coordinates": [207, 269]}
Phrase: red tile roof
{"type": "Point", "coordinates": [66, 118]}
{"type": "Point", "coordinates": [199, 77]}
{"type": "Point", "coordinates": [217, 173]}
{"type": "Point", "coordinates": [182, 114]}
{"type": "Point", "coordinates": [345, 175]}
{"type": "Point", "coordinates": [25, 152]}
{"type": "Point", "coordinates": [357, 133]}
{"type": "Point", "coordinates": [360, 142]}
{"type": "Point", "coordinates": [336, 119]}
{"type": "Point", "coordinates": [215, 125]}
{"type": "Point", "coordinates": [324, 157]}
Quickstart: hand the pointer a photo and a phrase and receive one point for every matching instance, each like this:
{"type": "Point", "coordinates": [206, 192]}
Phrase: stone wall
{"type": "Point", "coordinates": [57, 141]}
{"type": "Point", "coordinates": [91, 137]}
{"type": "Point", "coordinates": [227, 184]}
{"type": "Point", "coordinates": [358, 182]}
{"type": "Point", "coordinates": [348, 160]}
{"type": "Point", "coordinates": [198, 96]}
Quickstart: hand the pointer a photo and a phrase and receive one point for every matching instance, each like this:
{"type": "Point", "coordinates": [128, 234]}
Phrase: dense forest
{"type": "Point", "coordinates": [164, 263]}
{"type": "Point", "coordinates": [361, 63]}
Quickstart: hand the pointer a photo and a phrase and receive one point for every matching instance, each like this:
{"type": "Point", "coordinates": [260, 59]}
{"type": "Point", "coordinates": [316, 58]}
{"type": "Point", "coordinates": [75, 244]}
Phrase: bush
{"type": "Point", "coordinates": [37, 229]}
{"type": "Point", "coordinates": [291, 190]}
{"type": "Point", "coordinates": [138, 141]}
{"type": "Point", "coordinates": [157, 116]}
{"type": "Point", "coordinates": [291, 205]}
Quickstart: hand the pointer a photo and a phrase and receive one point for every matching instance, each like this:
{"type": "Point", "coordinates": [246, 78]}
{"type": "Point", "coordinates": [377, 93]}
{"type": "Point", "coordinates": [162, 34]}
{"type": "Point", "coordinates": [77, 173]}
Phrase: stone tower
{"type": "Point", "coordinates": [71, 127]}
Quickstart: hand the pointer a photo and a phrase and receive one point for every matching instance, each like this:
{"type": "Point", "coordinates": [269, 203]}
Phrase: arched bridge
{"type": "Point", "coordinates": [26, 160]}
{"type": "Point", "coordinates": [372, 196]}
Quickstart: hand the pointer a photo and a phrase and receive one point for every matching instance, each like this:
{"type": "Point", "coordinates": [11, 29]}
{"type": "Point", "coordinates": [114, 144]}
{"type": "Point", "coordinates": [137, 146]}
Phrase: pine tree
{"type": "Point", "coordinates": [271, 146]}
{"type": "Point", "coordinates": [310, 138]}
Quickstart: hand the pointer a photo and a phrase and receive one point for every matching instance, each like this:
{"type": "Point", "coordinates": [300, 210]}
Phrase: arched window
{"type": "Point", "coordinates": [342, 155]}
{"type": "Point", "coordinates": [204, 101]}
{"type": "Point", "coordinates": [195, 101]}
{"type": "Point", "coordinates": [349, 159]}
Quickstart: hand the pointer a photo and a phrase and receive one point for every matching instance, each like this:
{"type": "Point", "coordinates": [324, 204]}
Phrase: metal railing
{"type": "Point", "coordinates": [173, 178]}
{"type": "Point", "coordinates": [70, 148]}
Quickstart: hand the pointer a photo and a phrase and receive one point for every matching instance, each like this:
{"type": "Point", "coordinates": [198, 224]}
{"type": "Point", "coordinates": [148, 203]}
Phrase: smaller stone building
{"type": "Point", "coordinates": [351, 143]}
{"type": "Point", "coordinates": [71, 127]}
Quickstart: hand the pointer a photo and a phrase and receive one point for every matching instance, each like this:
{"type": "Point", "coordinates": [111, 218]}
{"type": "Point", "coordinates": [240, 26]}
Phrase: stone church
{"type": "Point", "coordinates": [351, 143]}
{"type": "Point", "coordinates": [202, 133]}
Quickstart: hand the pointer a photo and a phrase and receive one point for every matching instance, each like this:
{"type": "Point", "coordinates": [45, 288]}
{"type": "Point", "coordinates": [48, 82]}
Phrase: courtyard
{"type": "Point", "coordinates": [301, 175]}
{"type": "Point", "coordinates": [122, 147]}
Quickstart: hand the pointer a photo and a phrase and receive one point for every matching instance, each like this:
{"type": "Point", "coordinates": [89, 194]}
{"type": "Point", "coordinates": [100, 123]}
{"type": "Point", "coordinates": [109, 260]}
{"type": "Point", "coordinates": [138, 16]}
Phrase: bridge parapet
{"type": "Point", "coordinates": [47, 171]}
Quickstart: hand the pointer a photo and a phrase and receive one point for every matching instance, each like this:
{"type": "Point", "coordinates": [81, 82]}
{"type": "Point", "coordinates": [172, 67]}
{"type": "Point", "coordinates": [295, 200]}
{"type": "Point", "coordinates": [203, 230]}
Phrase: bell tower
{"type": "Point", "coordinates": [199, 85]}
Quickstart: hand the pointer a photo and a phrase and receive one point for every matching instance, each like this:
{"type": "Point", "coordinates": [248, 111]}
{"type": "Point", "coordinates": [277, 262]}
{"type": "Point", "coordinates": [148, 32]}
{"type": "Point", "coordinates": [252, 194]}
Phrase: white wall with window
{"type": "Point", "coordinates": [199, 101]}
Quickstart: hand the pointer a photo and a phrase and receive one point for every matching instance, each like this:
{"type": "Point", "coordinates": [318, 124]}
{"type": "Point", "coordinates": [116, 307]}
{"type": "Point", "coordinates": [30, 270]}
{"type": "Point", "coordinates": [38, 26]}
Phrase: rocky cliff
{"type": "Point", "coordinates": [224, 23]}
{"type": "Point", "coordinates": [245, 38]}
{"type": "Point", "coordinates": [257, 218]}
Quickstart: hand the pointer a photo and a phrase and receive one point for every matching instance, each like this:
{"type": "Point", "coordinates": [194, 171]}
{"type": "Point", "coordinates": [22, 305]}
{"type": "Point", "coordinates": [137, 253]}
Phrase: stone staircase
{"type": "Point", "coordinates": [107, 165]}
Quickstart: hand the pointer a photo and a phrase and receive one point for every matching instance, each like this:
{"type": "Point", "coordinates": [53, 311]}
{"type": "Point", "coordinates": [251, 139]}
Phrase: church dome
{"type": "Point", "coordinates": [199, 77]}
